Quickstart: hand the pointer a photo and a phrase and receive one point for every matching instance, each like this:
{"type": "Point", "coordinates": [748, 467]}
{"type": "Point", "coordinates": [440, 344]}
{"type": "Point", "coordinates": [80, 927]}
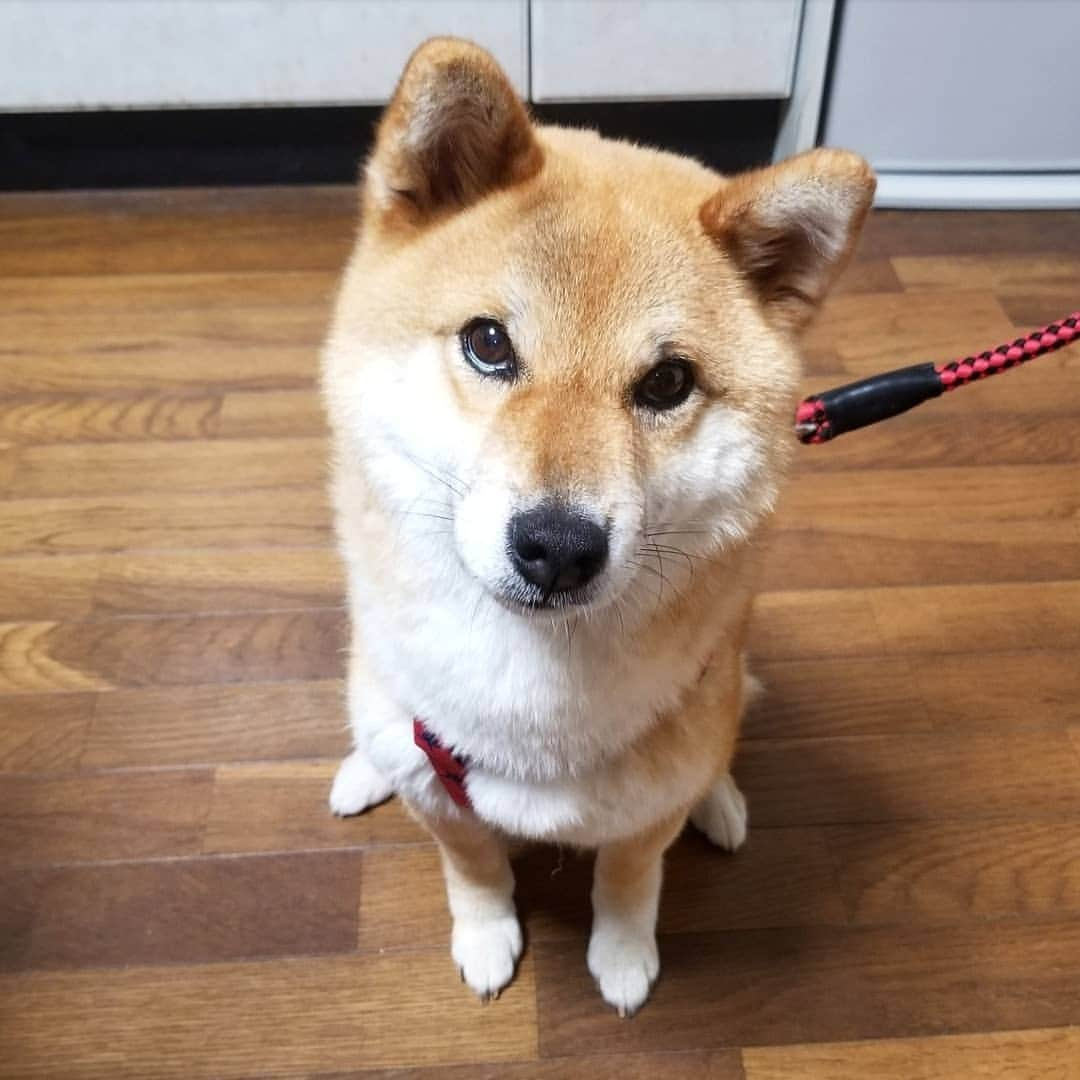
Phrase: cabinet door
{"type": "Point", "coordinates": [68, 54]}
{"type": "Point", "coordinates": [594, 50]}
{"type": "Point", "coordinates": [964, 86]}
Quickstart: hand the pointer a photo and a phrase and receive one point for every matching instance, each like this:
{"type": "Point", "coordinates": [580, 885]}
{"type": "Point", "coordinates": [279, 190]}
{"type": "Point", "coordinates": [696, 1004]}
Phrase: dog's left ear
{"type": "Point", "coordinates": [791, 228]}
{"type": "Point", "coordinates": [454, 131]}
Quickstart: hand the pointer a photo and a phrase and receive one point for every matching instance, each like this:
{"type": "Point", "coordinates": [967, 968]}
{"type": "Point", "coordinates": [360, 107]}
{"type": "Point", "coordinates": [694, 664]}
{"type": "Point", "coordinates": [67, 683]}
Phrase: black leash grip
{"type": "Point", "coordinates": [867, 401]}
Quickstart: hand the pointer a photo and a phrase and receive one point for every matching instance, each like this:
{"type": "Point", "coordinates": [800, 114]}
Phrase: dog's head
{"type": "Point", "coordinates": [577, 352]}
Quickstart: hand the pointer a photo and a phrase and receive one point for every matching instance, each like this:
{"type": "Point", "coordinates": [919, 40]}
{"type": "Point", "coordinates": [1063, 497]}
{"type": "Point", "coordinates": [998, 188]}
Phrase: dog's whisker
{"type": "Point", "coordinates": [424, 514]}
{"type": "Point", "coordinates": [622, 625]}
{"type": "Point", "coordinates": [437, 473]}
{"type": "Point", "coordinates": [678, 532]}
{"type": "Point", "coordinates": [673, 551]}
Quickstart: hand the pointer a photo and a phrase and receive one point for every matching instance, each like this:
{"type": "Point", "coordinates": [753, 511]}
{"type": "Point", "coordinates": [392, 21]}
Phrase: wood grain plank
{"type": "Point", "coordinates": [195, 910]}
{"type": "Point", "coordinates": [17, 903]}
{"type": "Point", "coordinates": [89, 417]}
{"type": "Point", "coordinates": [177, 231]}
{"type": "Point", "coordinates": [48, 588]}
{"type": "Point", "coordinates": [876, 331]}
{"type": "Point", "coordinates": [814, 623]}
{"type": "Point", "coordinates": [163, 293]}
{"type": "Point", "coordinates": [1048, 1054]}
{"type": "Point", "coordinates": [1033, 289]}
{"type": "Point", "coordinates": [283, 807]}
{"type": "Point", "coordinates": [105, 816]}
{"type": "Point", "coordinates": [906, 621]}
{"type": "Point", "coordinates": [188, 725]}
{"type": "Point", "coordinates": [823, 697]}
{"type": "Point", "coordinates": [181, 650]}
{"type": "Point", "coordinates": [166, 366]}
{"type": "Point", "coordinates": [403, 898]}
{"type": "Point", "coordinates": [912, 777]}
{"type": "Point", "coordinates": [954, 871]}
{"type": "Point", "coordinates": [28, 663]}
{"type": "Point", "coordinates": [185, 466]}
{"type": "Point", "coordinates": [308, 1014]}
{"type": "Point", "coordinates": [817, 984]}
{"type": "Point", "coordinates": [869, 527]}
{"type": "Point", "coordinates": [43, 733]}
{"type": "Point", "coordinates": [81, 417]}
{"type": "Point", "coordinates": [292, 517]}
{"type": "Point", "coordinates": [1034, 615]}
{"type": "Point", "coordinates": [892, 233]}
{"type": "Point", "coordinates": [1039, 272]}
{"type": "Point", "coordinates": [132, 333]}
{"type": "Point", "coordinates": [1005, 691]}
{"type": "Point", "coordinates": [270, 412]}
{"type": "Point", "coordinates": [205, 581]}
{"type": "Point", "coordinates": [1030, 307]}
{"type": "Point", "coordinates": [711, 1065]}
{"type": "Point", "coordinates": [867, 276]}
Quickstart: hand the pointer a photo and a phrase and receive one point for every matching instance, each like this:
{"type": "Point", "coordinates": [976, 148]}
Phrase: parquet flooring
{"type": "Point", "coordinates": [175, 899]}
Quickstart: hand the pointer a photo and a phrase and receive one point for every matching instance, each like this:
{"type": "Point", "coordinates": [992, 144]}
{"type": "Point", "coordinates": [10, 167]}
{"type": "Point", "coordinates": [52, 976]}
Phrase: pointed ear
{"type": "Point", "coordinates": [791, 228]}
{"type": "Point", "coordinates": [454, 131]}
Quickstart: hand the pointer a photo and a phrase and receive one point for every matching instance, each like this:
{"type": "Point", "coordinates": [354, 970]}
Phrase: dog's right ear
{"type": "Point", "coordinates": [454, 131]}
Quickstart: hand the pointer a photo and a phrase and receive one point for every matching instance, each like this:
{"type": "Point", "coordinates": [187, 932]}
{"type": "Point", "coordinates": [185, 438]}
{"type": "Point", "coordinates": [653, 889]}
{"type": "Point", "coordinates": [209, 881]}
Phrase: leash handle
{"type": "Point", "coordinates": [822, 417]}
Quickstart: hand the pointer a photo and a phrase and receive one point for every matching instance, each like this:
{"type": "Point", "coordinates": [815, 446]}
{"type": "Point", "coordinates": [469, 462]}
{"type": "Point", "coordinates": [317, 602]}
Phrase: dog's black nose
{"type": "Point", "coordinates": [557, 549]}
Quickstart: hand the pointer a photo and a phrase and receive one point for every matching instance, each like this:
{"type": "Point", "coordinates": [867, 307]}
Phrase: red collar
{"type": "Point", "coordinates": [449, 768]}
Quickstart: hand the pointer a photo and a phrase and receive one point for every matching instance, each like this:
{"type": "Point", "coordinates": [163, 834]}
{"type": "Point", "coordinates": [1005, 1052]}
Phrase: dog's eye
{"type": "Point", "coordinates": [486, 346]}
{"type": "Point", "coordinates": [665, 386]}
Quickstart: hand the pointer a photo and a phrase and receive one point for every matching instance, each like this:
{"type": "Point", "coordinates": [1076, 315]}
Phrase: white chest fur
{"type": "Point", "coordinates": [543, 713]}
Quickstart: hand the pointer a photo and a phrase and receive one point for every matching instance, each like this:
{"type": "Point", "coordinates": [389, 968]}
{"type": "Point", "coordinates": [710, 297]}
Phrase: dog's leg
{"type": "Point", "coordinates": [721, 815]}
{"type": "Point", "coordinates": [486, 938]}
{"type": "Point", "coordinates": [357, 786]}
{"type": "Point", "coordinates": [626, 894]}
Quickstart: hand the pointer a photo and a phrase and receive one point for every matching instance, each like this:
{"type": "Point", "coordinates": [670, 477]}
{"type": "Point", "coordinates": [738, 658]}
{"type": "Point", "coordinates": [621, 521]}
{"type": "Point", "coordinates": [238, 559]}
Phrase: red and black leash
{"type": "Point", "coordinates": [822, 417]}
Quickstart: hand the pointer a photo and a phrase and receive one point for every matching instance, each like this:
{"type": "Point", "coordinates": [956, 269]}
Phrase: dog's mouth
{"type": "Point", "coordinates": [526, 599]}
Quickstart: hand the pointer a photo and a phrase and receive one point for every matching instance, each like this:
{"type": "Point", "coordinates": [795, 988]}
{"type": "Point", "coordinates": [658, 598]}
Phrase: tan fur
{"type": "Point", "coordinates": [605, 253]}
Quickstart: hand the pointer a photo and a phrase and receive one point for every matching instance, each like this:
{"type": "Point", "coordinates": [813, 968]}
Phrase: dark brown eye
{"type": "Point", "coordinates": [486, 346]}
{"type": "Point", "coordinates": [665, 386]}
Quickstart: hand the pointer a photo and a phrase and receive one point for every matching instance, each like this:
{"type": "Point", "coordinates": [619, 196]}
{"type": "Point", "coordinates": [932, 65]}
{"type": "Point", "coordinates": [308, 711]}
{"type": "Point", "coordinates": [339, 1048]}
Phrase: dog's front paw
{"type": "Point", "coordinates": [357, 786]}
{"type": "Point", "coordinates": [486, 952]}
{"type": "Point", "coordinates": [722, 814]}
{"type": "Point", "coordinates": [624, 962]}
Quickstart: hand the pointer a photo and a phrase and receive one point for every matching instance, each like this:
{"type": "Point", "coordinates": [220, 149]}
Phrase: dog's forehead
{"type": "Point", "coordinates": [603, 268]}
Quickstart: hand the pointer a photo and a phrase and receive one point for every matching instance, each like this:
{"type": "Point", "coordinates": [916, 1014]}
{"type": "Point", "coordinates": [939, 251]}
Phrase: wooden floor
{"type": "Point", "coordinates": [175, 898]}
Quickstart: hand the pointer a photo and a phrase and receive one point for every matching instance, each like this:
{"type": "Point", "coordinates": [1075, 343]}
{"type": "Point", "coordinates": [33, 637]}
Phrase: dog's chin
{"type": "Point", "coordinates": [529, 601]}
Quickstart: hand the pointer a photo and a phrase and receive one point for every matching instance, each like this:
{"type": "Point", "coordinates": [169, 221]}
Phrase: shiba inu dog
{"type": "Point", "coordinates": [560, 380]}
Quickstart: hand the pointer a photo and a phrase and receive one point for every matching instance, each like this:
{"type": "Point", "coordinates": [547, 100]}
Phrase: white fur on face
{"type": "Point", "coordinates": [455, 492]}
{"type": "Point", "coordinates": [712, 487]}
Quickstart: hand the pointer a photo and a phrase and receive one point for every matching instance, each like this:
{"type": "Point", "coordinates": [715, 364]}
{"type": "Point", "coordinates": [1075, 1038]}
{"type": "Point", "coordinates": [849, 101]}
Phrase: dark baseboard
{"type": "Point", "coordinates": [204, 147]}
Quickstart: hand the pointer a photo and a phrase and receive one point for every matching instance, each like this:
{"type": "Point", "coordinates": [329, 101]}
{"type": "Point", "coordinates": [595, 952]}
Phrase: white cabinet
{"type": "Point", "coordinates": [609, 50]}
{"type": "Point", "coordinates": [151, 54]}
{"type": "Point", "coordinates": [67, 54]}
{"type": "Point", "coordinates": [961, 102]}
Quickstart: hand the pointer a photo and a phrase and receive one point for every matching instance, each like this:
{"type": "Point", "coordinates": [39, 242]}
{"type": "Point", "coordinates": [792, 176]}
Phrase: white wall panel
{"type": "Point", "coordinates": [63, 54]}
{"type": "Point", "coordinates": [958, 85]}
{"type": "Point", "coordinates": [592, 50]}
